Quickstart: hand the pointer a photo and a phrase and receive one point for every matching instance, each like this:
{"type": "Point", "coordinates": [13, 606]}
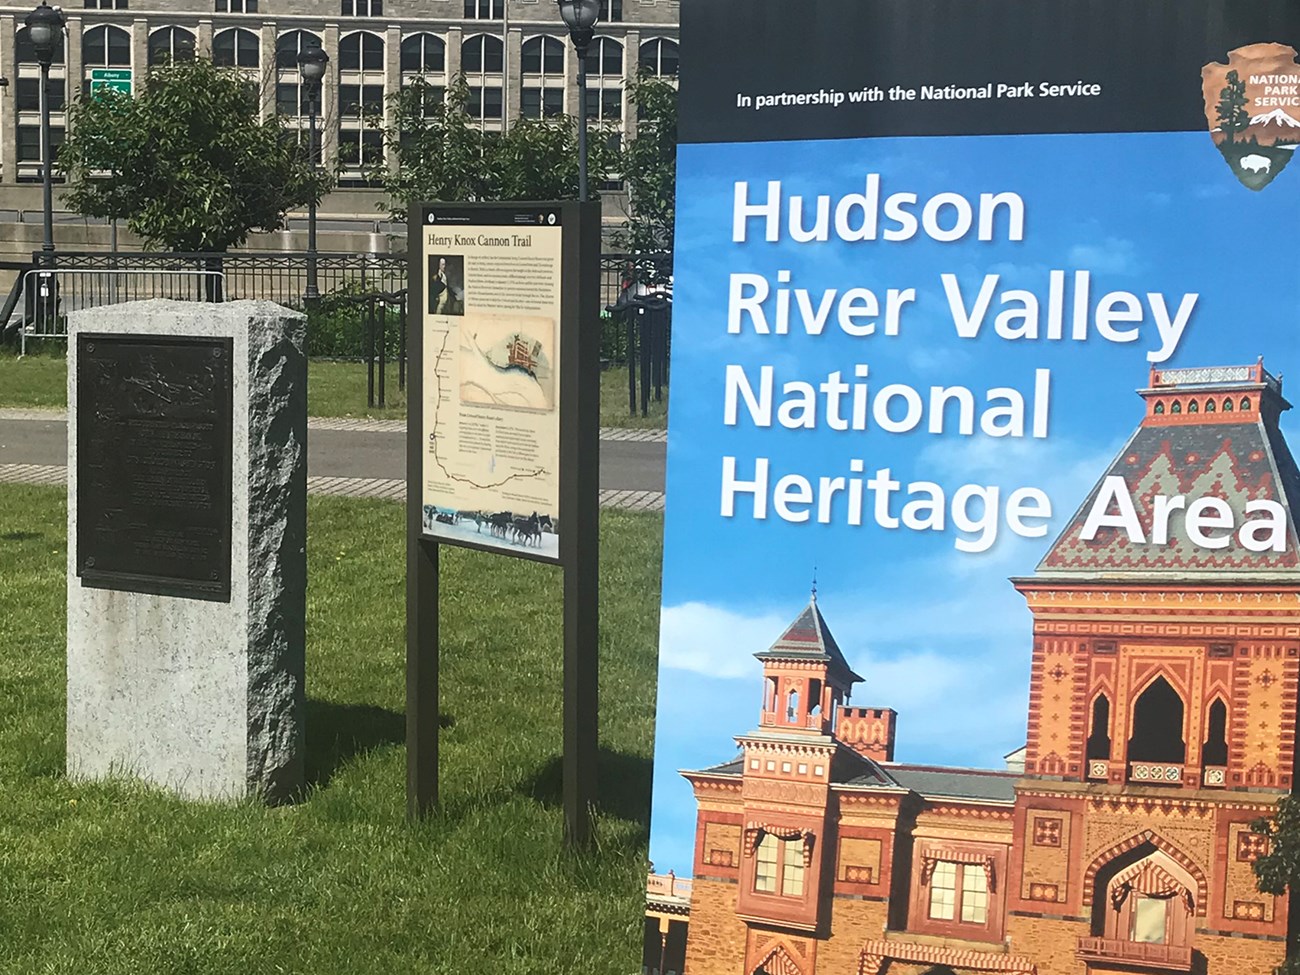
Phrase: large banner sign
{"type": "Point", "coordinates": [981, 617]}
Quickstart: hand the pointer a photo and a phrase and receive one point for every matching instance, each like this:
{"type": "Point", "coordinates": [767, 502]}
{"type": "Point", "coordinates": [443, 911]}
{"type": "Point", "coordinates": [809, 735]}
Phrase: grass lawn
{"type": "Point", "coordinates": [333, 389]}
{"type": "Point", "coordinates": [115, 878]}
{"type": "Point", "coordinates": [36, 380]}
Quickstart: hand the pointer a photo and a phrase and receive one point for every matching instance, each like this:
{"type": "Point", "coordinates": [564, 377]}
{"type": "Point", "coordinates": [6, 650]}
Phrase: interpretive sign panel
{"type": "Point", "coordinates": [490, 371]}
{"type": "Point", "coordinates": [154, 464]}
{"type": "Point", "coordinates": [971, 299]}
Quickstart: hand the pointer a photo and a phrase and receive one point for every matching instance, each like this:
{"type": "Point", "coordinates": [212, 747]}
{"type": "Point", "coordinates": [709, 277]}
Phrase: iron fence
{"type": "Point", "coordinates": [373, 284]}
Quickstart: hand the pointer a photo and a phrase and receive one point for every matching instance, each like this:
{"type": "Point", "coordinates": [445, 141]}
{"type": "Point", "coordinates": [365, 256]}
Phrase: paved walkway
{"type": "Point", "coordinates": [349, 457]}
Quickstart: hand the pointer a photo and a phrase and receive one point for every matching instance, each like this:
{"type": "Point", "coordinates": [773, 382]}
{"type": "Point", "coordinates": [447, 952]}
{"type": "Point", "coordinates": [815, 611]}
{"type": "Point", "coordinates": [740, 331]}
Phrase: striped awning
{"type": "Point", "coordinates": [932, 856]}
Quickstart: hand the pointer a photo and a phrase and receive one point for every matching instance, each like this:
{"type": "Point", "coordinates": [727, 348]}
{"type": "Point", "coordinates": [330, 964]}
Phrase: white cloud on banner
{"type": "Point", "coordinates": [1112, 256]}
{"type": "Point", "coordinates": [959, 692]}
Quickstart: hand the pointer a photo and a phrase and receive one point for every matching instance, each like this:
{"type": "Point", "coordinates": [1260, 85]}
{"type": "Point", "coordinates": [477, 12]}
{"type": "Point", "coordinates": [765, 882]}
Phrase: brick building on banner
{"type": "Point", "coordinates": [1162, 721]}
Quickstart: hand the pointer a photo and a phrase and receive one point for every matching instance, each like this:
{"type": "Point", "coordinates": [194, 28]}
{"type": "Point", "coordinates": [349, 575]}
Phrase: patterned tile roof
{"type": "Point", "coordinates": [809, 638]}
{"type": "Point", "coordinates": [1238, 459]}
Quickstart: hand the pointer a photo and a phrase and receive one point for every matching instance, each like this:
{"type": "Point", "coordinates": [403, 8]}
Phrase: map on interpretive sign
{"type": "Point", "coordinates": [506, 361]}
{"type": "Point", "coordinates": [491, 389]}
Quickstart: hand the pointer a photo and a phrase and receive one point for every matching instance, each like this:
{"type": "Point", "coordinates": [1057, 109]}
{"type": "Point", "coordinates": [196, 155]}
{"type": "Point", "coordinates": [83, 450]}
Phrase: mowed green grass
{"type": "Point", "coordinates": [333, 389]}
{"type": "Point", "coordinates": [34, 380]}
{"type": "Point", "coordinates": [117, 878]}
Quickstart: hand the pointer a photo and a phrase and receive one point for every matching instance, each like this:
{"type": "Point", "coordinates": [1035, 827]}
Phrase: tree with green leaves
{"type": "Point", "coordinates": [186, 162]}
{"type": "Point", "coordinates": [443, 154]}
{"type": "Point", "coordinates": [1277, 870]}
{"type": "Point", "coordinates": [649, 168]}
{"type": "Point", "coordinates": [1233, 116]}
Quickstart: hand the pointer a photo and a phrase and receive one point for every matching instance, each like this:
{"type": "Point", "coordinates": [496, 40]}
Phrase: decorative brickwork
{"type": "Point", "coordinates": [1160, 843]}
{"type": "Point", "coordinates": [1047, 831]}
{"type": "Point", "coordinates": [721, 845]}
{"type": "Point", "coordinates": [859, 861]}
{"type": "Point", "coordinates": [716, 942]}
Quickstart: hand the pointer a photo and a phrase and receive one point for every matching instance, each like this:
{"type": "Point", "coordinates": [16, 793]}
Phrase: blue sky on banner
{"type": "Point", "coordinates": [938, 634]}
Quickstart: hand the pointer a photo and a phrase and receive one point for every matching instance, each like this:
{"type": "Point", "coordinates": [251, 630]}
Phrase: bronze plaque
{"type": "Point", "coordinates": [154, 427]}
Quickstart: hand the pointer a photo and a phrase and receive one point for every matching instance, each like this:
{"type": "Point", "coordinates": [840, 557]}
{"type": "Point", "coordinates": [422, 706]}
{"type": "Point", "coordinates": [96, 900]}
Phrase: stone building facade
{"type": "Point", "coordinates": [1162, 720]}
{"type": "Point", "coordinates": [515, 55]}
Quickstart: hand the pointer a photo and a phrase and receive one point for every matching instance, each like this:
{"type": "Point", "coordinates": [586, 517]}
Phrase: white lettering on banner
{"type": "Point", "coordinates": [1208, 521]}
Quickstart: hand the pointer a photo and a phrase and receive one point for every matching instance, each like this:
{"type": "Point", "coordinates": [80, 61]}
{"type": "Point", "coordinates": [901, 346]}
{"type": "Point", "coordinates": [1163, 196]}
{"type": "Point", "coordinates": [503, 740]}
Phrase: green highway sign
{"type": "Point", "coordinates": [117, 79]}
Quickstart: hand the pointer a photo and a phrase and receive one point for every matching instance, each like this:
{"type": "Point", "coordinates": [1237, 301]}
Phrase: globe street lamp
{"type": "Point", "coordinates": [312, 63]}
{"type": "Point", "coordinates": [45, 31]}
{"type": "Point", "coordinates": [580, 17]}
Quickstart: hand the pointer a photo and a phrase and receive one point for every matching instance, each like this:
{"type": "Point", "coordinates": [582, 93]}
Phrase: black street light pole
{"type": "Point", "coordinates": [45, 30]}
{"type": "Point", "coordinates": [312, 63]}
{"type": "Point", "coordinates": [580, 17]}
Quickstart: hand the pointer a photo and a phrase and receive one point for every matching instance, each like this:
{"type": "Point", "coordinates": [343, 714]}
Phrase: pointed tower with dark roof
{"type": "Point", "coordinates": [805, 677]}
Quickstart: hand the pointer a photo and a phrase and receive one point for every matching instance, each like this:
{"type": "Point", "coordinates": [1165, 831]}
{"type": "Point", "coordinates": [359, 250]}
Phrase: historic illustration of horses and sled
{"type": "Point", "coordinates": [535, 531]}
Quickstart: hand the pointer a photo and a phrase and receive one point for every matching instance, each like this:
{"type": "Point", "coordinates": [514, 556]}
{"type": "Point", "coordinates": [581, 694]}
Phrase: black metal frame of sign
{"type": "Point", "coordinates": [578, 487]}
{"type": "Point", "coordinates": [154, 427]}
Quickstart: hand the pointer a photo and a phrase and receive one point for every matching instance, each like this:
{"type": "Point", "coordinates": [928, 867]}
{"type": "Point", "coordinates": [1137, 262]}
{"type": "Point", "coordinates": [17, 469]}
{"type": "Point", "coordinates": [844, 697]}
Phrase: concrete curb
{"type": "Point", "coordinates": [385, 489]}
{"type": "Point", "coordinates": [360, 424]}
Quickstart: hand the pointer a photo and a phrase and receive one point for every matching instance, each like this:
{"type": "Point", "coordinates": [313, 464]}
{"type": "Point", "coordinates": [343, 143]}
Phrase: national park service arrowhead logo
{"type": "Point", "coordinates": [1253, 106]}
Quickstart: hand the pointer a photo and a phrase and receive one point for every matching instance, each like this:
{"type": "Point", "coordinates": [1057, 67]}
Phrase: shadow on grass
{"type": "Point", "coordinates": [622, 786]}
{"type": "Point", "coordinates": [20, 536]}
{"type": "Point", "coordinates": [337, 733]}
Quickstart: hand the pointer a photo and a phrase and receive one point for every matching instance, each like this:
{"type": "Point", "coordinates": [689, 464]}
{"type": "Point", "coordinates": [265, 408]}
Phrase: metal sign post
{"type": "Point", "coordinates": [503, 441]}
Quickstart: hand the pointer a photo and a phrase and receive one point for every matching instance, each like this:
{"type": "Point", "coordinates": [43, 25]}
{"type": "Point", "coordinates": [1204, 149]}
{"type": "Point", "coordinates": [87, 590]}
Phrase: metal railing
{"type": "Point", "coordinates": [48, 299]}
{"type": "Point", "coordinates": [1161, 957]}
{"type": "Point", "coordinates": [375, 283]}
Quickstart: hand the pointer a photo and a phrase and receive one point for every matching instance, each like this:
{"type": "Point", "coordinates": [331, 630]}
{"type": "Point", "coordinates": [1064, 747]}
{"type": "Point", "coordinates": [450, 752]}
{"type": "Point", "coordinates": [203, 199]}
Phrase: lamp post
{"type": "Point", "coordinates": [580, 17]}
{"type": "Point", "coordinates": [312, 63]}
{"type": "Point", "coordinates": [45, 30]}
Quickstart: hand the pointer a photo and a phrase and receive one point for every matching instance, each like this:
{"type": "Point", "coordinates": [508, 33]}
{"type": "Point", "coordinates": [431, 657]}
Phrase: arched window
{"type": "Point", "coordinates": [361, 87]}
{"type": "Point", "coordinates": [659, 58]}
{"type": "Point", "coordinates": [769, 694]}
{"type": "Point", "coordinates": [290, 44]}
{"type": "Point", "coordinates": [792, 704]}
{"type": "Point", "coordinates": [106, 46]}
{"type": "Point", "coordinates": [423, 53]}
{"type": "Point", "coordinates": [605, 79]}
{"type": "Point", "coordinates": [1177, 407]}
{"type": "Point", "coordinates": [361, 51]}
{"type": "Point", "coordinates": [424, 65]}
{"type": "Point", "coordinates": [290, 94]}
{"type": "Point", "coordinates": [1193, 407]}
{"type": "Point", "coordinates": [236, 48]}
{"type": "Point", "coordinates": [542, 63]}
{"type": "Point", "coordinates": [1099, 740]}
{"type": "Point", "coordinates": [1158, 725]}
{"type": "Point", "coordinates": [1160, 408]}
{"type": "Point", "coordinates": [1227, 406]}
{"type": "Point", "coordinates": [1209, 406]}
{"type": "Point", "coordinates": [542, 55]}
{"type": "Point", "coordinates": [1144, 897]}
{"type": "Point", "coordinates": [27, 99]}
{"type": "Point", "coordinates": [1215, 749]}
{"type": "Point", "coordinates": [605, 58]}
{"type": "Point", "coordinates": [25, 53]}
{"type": "Point", "coordinates": [1245, 404]}
{"type": "Point", "coordinates": [170, 44]}
{"type": "Point", "coordinates": [481, 56]}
